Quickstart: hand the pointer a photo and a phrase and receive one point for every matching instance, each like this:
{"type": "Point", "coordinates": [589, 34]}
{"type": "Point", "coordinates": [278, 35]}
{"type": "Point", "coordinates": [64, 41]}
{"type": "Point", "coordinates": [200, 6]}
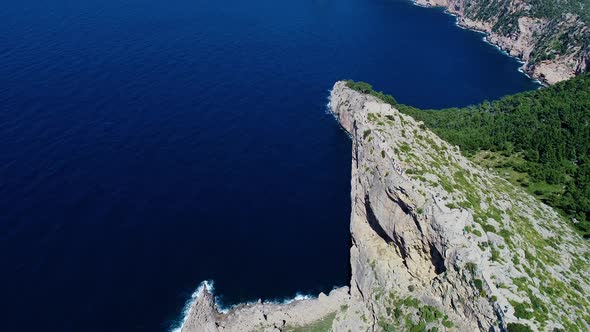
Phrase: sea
{"type": "Point", "coordinates": [149, 145]}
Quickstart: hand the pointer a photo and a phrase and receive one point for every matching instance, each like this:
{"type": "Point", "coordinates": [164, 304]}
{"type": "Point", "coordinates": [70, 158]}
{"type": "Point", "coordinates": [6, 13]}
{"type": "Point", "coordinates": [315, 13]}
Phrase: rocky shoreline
{"type": "Point", "coordinates": [205, 316]}
{"type": "Point", "coordinates": [437, 242]}
{"type": "Point", "coordinates": [531, 35]}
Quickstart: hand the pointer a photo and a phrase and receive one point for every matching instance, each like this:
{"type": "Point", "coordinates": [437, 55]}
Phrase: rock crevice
{"type": "Point", "coordinates": [425, 223]}
{"type": "Point", "coordinates": [436, 242]}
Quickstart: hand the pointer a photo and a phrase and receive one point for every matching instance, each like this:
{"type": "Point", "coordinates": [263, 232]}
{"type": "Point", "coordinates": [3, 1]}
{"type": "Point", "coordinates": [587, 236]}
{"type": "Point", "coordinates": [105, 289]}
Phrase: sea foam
{"type": "Point", "coordinates": [209, 286]}
{"type": "Point", "coordinates": [486, 40]}
{"type": "Point", "coordinates": [206, 284]}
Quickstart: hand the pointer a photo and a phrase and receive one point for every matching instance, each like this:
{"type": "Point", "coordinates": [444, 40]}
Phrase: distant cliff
{"type": "Point", "coordinates": [551, 37]}
{"type": "Point", "coordinates": [437, 242]}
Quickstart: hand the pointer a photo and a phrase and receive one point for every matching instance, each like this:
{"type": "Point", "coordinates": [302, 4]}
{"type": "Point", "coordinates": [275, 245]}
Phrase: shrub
{"type": "Point", "coordinates": [478, 283]}
{"type": "Point", "coordinates": [361, 87]}
{"type": "Point", "coordinates": [517, 327]}
{"type": "Point", "coordinates": [521, 311]}
{"type": "Point", "coordinates": [553, 144]}
{"type": "Point", "coordinates": [471, 267]}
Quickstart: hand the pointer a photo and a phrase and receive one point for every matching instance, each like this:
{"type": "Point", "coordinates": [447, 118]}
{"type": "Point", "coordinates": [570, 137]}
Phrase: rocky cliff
{"type": "Point", "coordinates": [204, 316]}
{"type": "Point", "coordinates": [553, 42]}
{"type": "Point", "coordinates": [433, 232]}
{"type": "Point", "coordinates": [437, 242]}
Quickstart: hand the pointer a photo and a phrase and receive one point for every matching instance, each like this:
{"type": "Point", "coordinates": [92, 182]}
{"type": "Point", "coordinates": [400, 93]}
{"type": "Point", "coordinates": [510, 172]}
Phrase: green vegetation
{"type": "Point", "coordinates": [471, 267]}
{"type": "Point", "coordinates": [322, 325]}
{"type": "Point", "coordinates": [553, 8]}
{"type": "Point", "coordinates": [516, 327]}
{"type": "Point", "coordinates": [539, 140]}
{"type": "Point", "coordinates": [478, 283]}
{"type": "Point", "coordinates": [550, 9]}
{"type": "Point", "coordinates": [495, 255]}
{"type": "Point", "coordinates": [368, 89]}
{"type": "Point", "coordinates": [409, 314]}
{"type": "Point", "coordinates": [522, 311]}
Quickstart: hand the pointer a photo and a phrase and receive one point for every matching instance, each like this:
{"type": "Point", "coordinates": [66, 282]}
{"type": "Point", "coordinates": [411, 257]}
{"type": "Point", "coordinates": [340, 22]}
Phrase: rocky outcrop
{"type": "Point", "coordinates": [204, 316]}
{"type": "Point", "coordinates": [203, 312]}
{"type": "Point", "coordinates": [437, 242]}
{"type": "Point", "coordinates": [440, 242]}
{"type": "Point", "coordinates": [553, 49]}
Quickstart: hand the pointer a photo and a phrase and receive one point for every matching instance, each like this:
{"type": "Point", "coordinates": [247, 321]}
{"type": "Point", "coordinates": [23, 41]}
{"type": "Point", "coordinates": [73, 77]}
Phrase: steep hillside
{"type": "Point", "coordinates": [431, 225]}
{"type": "Point", "coordinates": [539, 140]}
{"type": "Point", "coordinates": [437, 242]}
{"type": "Point", "coordinates": [552, 37]}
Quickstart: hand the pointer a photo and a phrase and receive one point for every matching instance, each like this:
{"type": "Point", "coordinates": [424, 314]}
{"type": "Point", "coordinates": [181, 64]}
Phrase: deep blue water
{"type": "Point", "coordinates": [148, 145]}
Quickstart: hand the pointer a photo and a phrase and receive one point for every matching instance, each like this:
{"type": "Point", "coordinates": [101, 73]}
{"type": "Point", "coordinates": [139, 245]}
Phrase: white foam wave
{"type": "Point", "coordinates": [521, 69]}
{"type": "Point", "coordinates": [501, 50]}
{"type": "Point", "coordinates": [206, 284]}
{"type": "Point", "coordinates": [299, 297]}
{"type": "Point", "coordinates": [209, 286]}
{"type": "Point", "coordinates": [485, 39]}
{"type": "Point", "coordinates": [328, 108]}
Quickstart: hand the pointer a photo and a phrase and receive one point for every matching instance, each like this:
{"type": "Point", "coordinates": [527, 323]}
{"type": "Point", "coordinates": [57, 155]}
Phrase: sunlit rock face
{"type": "Point", "coordinates": [553, 48]}
{"type": "Point", "coordinates": [437, 241]}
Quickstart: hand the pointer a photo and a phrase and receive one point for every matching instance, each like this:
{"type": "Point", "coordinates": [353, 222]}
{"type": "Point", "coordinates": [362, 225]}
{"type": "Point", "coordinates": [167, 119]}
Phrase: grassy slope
{"type": "Point", "coordinates": [539, 140]}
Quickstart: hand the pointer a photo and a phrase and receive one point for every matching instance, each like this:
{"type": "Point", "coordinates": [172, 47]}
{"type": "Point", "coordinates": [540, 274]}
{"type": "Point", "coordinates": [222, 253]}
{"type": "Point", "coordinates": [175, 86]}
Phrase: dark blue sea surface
{"type": "Point", "coordinates": [148, 145]}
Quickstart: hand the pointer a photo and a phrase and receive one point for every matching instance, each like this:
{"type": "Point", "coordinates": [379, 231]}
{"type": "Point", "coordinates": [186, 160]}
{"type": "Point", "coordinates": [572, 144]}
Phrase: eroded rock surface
{"type": "Point", "coordinates": [204, 315]}
{"type": "Point", "coordinates": [437, 242]}
{"type": "Point", "coordinates": [553, 49]}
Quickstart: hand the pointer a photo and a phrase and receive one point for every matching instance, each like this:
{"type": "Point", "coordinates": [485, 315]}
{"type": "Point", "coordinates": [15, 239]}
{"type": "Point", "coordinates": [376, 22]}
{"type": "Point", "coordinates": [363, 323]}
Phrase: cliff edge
{"type": "Point", "coordinates": [437, 243]}
{"type": "Point", "coordinates": [552, 39]}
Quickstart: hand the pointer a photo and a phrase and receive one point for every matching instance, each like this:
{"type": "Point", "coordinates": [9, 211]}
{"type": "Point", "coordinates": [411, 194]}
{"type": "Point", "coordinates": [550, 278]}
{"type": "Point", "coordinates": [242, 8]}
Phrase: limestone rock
{"type": "Point", "coordinates": [514, 27]}
{"type": "Point", "coordinates": [204, 316]}
{"type": "Point", "coordinates": [437, 242]}
{"type": "Point", "coordinates": [433, 232]}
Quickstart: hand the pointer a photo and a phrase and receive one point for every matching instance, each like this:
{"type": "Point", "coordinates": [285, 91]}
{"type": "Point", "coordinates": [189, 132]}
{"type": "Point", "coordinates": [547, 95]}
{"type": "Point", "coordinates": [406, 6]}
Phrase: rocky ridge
{"type": "Point", "coordinates": [204, 316]}
{"type": "Point", "coordinates": [553, 49]}
{"type": "Point", "coordinates": [433, 230]}
{"type": "Point", "coordinates": [437, 242]}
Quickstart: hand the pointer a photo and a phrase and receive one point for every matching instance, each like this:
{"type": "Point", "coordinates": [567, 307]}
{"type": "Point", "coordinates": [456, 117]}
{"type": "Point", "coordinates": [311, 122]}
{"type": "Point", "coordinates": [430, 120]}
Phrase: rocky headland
{"type": "Point", "coordinates": [554, 47]}
{"type": "Point", "coordinates": [204, 315]}
{"type": "Point", "coordinates": [437, 242]}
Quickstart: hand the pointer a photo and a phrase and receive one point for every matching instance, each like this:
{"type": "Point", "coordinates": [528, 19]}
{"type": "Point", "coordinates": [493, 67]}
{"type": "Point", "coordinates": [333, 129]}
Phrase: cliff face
{"type": "Point", "coordinates": [436, 242]}
{"type": "Point", "coordinates": [406, 242]}
{"type": "Point", "coordinates": [553, 49]}
{"type": "Point", "coordinates": [432, 232]}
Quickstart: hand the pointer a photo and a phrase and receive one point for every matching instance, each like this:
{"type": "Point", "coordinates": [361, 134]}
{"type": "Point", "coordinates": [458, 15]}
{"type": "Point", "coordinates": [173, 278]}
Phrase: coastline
{"type": "Point", "coordinates": [248, 310]}
{"type": "Point", "coordinates": [545, 72]}
{"type": "Point", "coordinates": [522, 68]}
{"type": "Point", "coordinates": [417, 258]}
{"type": "Point", "coordinates": [202, 313]}
{"type": "Point", "coordinates": [228, 314]}
{"type": "Point", "coordinates": [339, 294]}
